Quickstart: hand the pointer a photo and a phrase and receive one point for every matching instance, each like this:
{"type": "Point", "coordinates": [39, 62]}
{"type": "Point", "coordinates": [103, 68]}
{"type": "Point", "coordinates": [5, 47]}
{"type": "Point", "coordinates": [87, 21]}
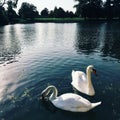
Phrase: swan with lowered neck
{"type": "Point", "coordinates": [82, 82]}
{"type": "Point", "coordinates": [68, 101]}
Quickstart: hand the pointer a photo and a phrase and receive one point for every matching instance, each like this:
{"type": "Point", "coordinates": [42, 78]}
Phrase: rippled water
{"type": "Point", "coordinates": [33, 56]}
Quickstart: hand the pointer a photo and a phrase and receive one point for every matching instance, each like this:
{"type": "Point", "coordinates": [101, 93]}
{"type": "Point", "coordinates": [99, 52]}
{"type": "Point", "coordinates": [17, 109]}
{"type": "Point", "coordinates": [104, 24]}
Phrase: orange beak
{"type": "Point", "coordinates": [94, 71]}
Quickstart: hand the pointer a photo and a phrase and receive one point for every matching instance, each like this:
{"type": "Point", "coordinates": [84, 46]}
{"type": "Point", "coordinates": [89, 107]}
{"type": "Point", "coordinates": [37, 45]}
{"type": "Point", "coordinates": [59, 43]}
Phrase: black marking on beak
{"type": "Point", "coordinates": [43, 97]}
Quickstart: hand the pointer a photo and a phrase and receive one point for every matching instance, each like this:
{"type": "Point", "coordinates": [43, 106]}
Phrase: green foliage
{"type": "Point", "coordinates": [11, 14]}
{"type": "Point", "coordinates": [57, 13]}
{"type": "Point", "coordinates": [3, 16]}
{"type": "Point", "coordinates": [12, 2]}
{"type": "Point", "coordinates": [97, 8]}
{"type": "Point", "coordinates": [45, 12]}
{"type": "Point", "coordinates": [59, 19]}
{"type": "Point", "coordinates": [89, 8]}
{"type": "Point", "coordinates": [112, 9]}
{"type": "Point", "coordinates": [28, 11]}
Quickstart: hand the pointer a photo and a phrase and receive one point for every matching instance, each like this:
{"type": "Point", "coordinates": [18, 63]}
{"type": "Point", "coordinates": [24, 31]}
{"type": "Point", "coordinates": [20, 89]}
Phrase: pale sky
{"type": "Point", "coordinates": [50, 4]}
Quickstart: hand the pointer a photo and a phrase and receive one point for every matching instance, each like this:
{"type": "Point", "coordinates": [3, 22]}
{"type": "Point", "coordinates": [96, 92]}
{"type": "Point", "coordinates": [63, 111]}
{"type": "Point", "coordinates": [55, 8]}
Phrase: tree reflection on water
{"type": "Point", "coordinates": [103, 37]}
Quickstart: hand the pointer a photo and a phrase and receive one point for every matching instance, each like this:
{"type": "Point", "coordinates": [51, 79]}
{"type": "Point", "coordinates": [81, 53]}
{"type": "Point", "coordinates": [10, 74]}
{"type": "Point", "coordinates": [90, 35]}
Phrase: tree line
{"type": "Point", "coordinates": [108, 9]}
{"type": "Point", "coordinates": [5, 15]}
{"type": "Point", "coordinates": [28, 12]}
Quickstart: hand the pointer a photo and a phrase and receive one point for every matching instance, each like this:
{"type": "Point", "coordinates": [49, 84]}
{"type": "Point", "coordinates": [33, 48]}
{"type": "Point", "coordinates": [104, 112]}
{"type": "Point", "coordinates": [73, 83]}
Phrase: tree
{"type": "Point", "coordinates": [28, 11]}
{"type": "Point", "coordinates": [3, 15]}
{"type": "Point", "coordinates": [58, 13]}
{"type": "Point", "coordinates": [45, 12]}
{"type": "Point", "coordinates": [112, 8]}
{"type": "Point", "coordinates": [70, 14]}
{"type": "Point", "coordinates": [108, 9]}
{"type": "Point", "coordinates": [117, 8]}
{"type": "Point", "coordinates": [11, 14]}
{"type": "Point", "coordinates": [79, 7]}
{"type": "Point", "coordinates": [89, 8]}
{"type": "Point", "coordinates": [3, 2]}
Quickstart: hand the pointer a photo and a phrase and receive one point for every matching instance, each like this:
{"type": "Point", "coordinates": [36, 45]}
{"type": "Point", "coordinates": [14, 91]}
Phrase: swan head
{"type": "Point", "coordinates": [91, 69]}
{"type": "Point", "coordinates": [44, 95]}
{"type": "Point", "coordinates": [50, 93]}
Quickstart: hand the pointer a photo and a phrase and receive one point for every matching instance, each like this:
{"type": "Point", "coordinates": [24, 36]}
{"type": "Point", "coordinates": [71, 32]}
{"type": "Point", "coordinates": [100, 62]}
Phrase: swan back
{"type": "Point", "coordinates": [73, 102]}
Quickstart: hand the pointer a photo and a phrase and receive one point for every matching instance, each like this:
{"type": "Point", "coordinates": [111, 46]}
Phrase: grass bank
{"type": "Point", "coordinates": [59, 19]}
{"type": "Point", "coordinates": [72, 20]}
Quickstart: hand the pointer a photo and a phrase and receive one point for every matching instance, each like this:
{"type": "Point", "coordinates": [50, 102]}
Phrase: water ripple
{"type": "Point", "coordinates": [31, 62]}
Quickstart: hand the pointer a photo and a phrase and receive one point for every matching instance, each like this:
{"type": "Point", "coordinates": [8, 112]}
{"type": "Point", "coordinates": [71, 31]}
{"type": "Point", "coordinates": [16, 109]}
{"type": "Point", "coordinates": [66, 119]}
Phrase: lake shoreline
{"type": "Point", "coordinates": [61, 20]}
{"type": "Point", "coordinates": [71, 20]}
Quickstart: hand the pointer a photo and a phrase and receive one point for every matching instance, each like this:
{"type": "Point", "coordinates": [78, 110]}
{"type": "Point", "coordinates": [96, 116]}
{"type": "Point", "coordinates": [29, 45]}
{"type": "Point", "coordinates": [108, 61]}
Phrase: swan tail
{"type": "Point", "coordinates": [96, 104]}
{"type": "Point", "coordinates": [73, 72]}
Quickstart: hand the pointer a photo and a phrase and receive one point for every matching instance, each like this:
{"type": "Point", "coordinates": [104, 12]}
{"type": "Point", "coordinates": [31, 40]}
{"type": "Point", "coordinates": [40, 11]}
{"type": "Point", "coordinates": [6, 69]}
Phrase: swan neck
{"type": "Point", "coordinates": [54, 93]}
{"type": "Point", "coordinates": [88, 72]}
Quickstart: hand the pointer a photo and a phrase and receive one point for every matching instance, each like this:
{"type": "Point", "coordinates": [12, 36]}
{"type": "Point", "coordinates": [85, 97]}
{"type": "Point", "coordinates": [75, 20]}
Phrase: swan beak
{"type": "Point", "coordinates": [94, 71]}
{"type": "Point", "coordinates": [43, 96]}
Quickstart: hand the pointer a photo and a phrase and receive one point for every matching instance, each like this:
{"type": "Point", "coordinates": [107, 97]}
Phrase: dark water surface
{"type": "Point", "coordinates": [33, 56]}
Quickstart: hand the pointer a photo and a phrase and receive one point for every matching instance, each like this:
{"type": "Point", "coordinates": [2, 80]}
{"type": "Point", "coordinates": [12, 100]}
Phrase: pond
{"type": "Point", "coordinates": [34, 56]}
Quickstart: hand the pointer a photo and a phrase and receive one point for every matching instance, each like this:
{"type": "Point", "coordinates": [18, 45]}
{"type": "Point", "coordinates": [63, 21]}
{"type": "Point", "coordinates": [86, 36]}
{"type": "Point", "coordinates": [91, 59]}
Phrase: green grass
{"type": "Point", "coordinates": [70, 19]}
{"type": "Point", "coordinates": [58, 19]}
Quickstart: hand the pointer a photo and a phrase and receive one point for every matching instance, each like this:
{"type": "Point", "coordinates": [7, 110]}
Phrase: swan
{"type": "Point", "coordinates": [68, 101]}
{"type": "Point", "coordinates": [82, 82]}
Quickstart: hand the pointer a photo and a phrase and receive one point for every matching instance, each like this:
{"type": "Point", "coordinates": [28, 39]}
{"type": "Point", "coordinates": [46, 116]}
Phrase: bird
{"type": "Point", "coordinates": [82, 82]}
{"type": "Point", "coordinates": [68, 101]}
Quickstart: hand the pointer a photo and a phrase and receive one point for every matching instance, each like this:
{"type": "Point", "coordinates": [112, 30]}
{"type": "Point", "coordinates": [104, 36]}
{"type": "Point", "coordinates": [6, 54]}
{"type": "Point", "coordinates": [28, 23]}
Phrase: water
{"type": "Point", "coordinates": [33, 56]}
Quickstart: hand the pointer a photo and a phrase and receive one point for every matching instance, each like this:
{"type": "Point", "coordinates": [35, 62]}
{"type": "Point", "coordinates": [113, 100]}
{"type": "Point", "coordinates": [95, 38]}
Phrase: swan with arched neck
{"type": "Point", "coordinates": [68, 101]}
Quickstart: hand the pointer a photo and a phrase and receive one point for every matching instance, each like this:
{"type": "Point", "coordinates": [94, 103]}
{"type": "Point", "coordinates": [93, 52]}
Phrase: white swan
{"type": "Point", "coordinates": [82, 82]}
{"type": "Point", "coordinates": [69, 101]}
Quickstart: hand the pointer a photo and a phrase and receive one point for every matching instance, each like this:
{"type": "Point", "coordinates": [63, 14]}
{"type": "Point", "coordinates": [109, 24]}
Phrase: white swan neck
{"type": "Point", "coordinates": [88, 73]}
{"type": "Point", "coordinates": [53, 91]}
{"type": "Point", "coordinates": [90, 90]}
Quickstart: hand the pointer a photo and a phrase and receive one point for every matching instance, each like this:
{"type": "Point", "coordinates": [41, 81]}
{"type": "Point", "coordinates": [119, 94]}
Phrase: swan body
{"type": "Point", "coordinates": [69, 101]}
{"type": "Point", "coordinates": [82, 82]}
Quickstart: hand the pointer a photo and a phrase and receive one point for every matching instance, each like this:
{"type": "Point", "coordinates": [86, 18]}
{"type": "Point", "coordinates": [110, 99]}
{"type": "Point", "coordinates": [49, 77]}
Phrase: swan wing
{"type": "Point", "coordinates": [72, 102]}
{"type": "Point", "coordinates": [79, 81]}
{"type": "Point", "coordinates": [79, 77]}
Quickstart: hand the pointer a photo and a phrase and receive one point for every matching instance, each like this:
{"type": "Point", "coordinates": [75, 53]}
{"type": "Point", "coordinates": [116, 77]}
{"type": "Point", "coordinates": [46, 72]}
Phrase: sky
{"type": "Point", "coordinates": [50, 4]}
